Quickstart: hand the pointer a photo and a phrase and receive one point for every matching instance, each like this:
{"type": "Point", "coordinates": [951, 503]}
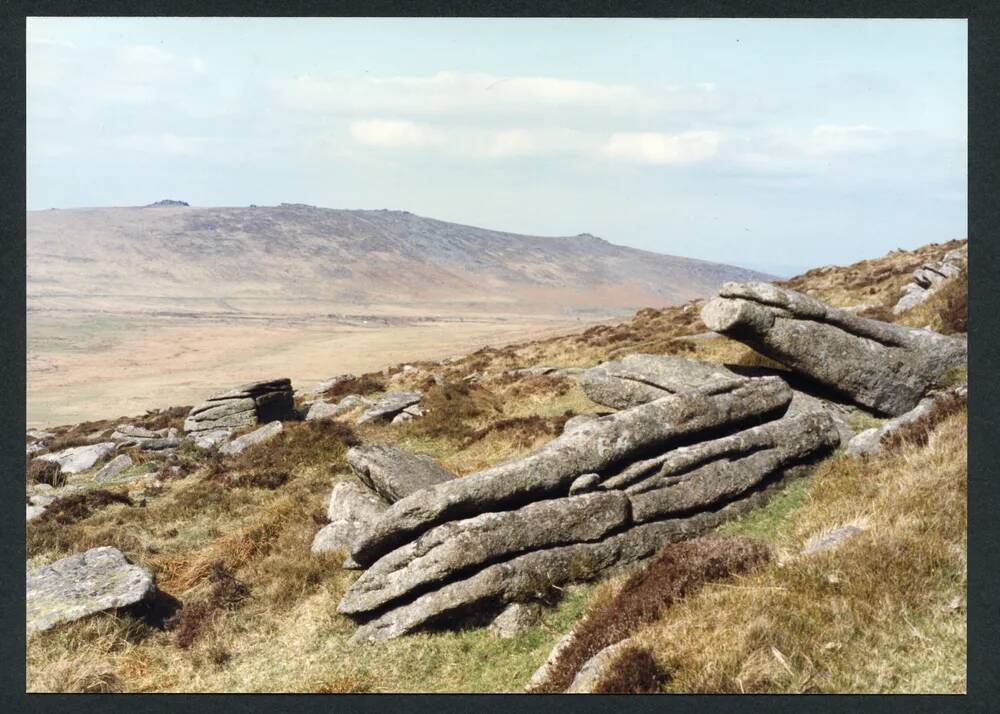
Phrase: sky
{"type": "Point", "coordinates": [776, 144]}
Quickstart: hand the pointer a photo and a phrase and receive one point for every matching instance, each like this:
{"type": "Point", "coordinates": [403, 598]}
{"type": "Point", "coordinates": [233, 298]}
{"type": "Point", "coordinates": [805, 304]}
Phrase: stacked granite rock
{"type": "Point", "coordinates": [929, 277]}
{"type": "Point", "coordinates": [609, 491]}
{"type": "Point", "coordinates": [249, 405]}
{"type": "Point", "coordinates": [693, 445]}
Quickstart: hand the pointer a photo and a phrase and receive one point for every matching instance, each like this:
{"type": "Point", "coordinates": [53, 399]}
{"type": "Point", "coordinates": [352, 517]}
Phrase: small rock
{"type": "Point", "coordinates": [388, 405]}
{"type": "Point", "coordinates": [79, 458]}
{"type": "Point", "coordinates": [542, 673]}
{"type": "Point", "coordinates": [515, 619]}
{"type": "Point", "coordinates": [351, 511]}
{"type": "Point", "coordinates": [34, 512]}
{"type": "Point", "coordinates": [832, 539]}
{"type": "Point", "coordinates": [83, 584]}
{"type": "Point", "coordinates": [113, 468]}
{"type": "Point", "coordinates": [258, 436]}
{"type": "Point", "coordinates": [208, 439]}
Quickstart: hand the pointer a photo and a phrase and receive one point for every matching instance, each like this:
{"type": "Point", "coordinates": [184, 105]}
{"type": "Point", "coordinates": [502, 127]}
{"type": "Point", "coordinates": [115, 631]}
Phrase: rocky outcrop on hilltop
{"type": "Point", "coordinates": [884, 367]}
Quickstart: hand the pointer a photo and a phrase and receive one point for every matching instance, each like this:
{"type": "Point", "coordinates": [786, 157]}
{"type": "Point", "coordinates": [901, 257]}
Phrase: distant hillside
{"type": "Point", "coordinates": [344, 258]}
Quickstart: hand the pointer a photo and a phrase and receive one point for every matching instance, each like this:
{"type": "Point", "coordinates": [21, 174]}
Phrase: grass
{"type": "Point", "coordinates": [833, 622]}
{"type": "Point", "coordinates": [678, 570]}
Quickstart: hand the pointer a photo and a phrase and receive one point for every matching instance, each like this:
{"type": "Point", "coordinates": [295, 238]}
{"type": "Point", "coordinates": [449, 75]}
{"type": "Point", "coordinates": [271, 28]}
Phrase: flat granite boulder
{"type": "Point", "coordinates": [640, 378]}
{"type": "Point", "coordinates": [394, 473]}
{"type": "Point", "coordinates": [884, 367]}
{"type": "Point", "coordinates": [454, 547]}
{"type": "Point", "coordinates": [596, 446]}
{"type": "Point", "coordinates": [78, 459]}
{"type": "Point", "coordinates": [83, 584]}
{"type": "Point", "coordinates": [257, 436]}
{"type": "Point", "coordinates": [869, 441]}
{"type": "Point", "coordinates": [113, 468]}
{"type": "Point", "coordinates": [389, 405]}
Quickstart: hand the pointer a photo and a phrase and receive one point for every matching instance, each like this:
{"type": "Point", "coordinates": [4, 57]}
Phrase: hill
{"type": "Point", "coordinates": [228, 536]}
{"type": "Point", "coordinates": [273, 257]}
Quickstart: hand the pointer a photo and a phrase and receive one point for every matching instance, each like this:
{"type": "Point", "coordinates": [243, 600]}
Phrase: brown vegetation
{"type": "Point", "coordinates": [67, 510]}
{"type": "Point", "coordinates": [365, 384]}
{"type": "Point", "coordinates": [43, 471]}
{"type": "Point", "coordinates": [634, 671]}
{"type": "Point", "coordinates": [918, 432]}
{"type": "Point", "coordinates": [678, 570]}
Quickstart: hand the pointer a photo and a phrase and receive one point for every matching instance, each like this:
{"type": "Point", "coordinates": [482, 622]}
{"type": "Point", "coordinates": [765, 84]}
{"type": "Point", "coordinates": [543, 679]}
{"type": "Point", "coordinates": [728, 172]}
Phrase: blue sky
{"type": "Point", "coordinates": [769, 143]}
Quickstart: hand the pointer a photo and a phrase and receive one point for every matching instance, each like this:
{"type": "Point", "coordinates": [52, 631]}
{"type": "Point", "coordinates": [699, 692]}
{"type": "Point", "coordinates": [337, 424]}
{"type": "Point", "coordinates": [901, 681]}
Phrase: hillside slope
{"type": "Point", "coordinates": [343, 258]}
{"type": "Point", "coordinates": [229, 538]}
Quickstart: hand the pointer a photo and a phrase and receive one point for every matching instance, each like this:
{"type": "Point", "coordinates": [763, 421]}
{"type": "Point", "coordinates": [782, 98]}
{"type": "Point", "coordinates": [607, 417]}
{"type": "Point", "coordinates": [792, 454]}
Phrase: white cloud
{"type": "Point", "coordinates": [464, 93]}
{"type": "Point", "coordinates": [657, 148]}
{"type": "Point", "coordinates": [838, 139]}
{"type": "Point", "coordinates": [394, 134]}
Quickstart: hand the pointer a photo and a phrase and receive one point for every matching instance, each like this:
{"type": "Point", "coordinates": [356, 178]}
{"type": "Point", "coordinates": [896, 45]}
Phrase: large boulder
{"type": "Point", "coordinates": [886, 368]}
{"type": "Point", "coordinates": [600, 445]}
{"type": "Point", "coordinates": [640, 378]}
{"type": "Point", "coordinates": [394, 473]}
{"type": "Point", "coordinates": [454, 547]}
{"type": "Point", "coordinates": [83, 584]}
{"type": "Point", "coordinates": [529, 576]}
{"type": "Point", "coordinates": [389, 405]}
{"type": "Point", "coordinates": [351, 512]}
{"type": "Point", "coordinates": [78, 459]}
{"type": "Point", "coordinates": [249, 405]}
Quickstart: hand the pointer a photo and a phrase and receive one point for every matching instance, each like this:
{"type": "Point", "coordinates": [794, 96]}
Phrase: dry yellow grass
{"type": "Point", "coordinates": [885, 612]}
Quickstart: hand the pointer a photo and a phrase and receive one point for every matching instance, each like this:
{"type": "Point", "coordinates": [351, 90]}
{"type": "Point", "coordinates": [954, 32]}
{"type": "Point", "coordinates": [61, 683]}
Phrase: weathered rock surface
{"type": "Point", "coordinates": [389, 405]}
{"type": "Point", "coordinates": [597, 446]}
{"type": "Point", "coordinates": [79, 458]}
{"type": "Point", "coordinates": [596, 668]}
{"type": "Point", "coordinates": [761, 452]}
{"type": "Point", "coordinates": [542, 673]}
{"type": "Point", "coordinates": [929, 277]}
{"type": "Point", "coordinates": [454, 547]}
{"type": "Point", "coordinates": [394, 473]}
{"type": "Point", "coordinates": [83, 584]}
{"type": "Point", "coordinates": [328, 410]}
{"type": "Point", "coordinates": [113, 468]}
{"type": "Point", "coordinates": [529, 576]}
{"type": "Point", "coordinates": [887, 368]}
{"type": "Point", "coordinates": [210, 438]}
{"type": "Point", "coordinates": [869, 441]}
{"type": "Point", "coordinates": [257, 436]}
{"type": "Point", "coordinates": [515, 619]}
{"type": "Point", "coordinates": [249, 405]}
{"type": "Point", "coordinates": [640, 378]}
{"type": "Point", "coordinates": [34, 512]}
{"type": "Point", "coordinates": [351, 512]}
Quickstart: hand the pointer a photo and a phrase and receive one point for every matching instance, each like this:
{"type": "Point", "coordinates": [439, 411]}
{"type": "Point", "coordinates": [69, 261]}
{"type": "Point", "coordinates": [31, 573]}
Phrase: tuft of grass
{"type": "Point", "coordinates": [41, 471]}
{"type": "Point", "coordinates": [677, 571]}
